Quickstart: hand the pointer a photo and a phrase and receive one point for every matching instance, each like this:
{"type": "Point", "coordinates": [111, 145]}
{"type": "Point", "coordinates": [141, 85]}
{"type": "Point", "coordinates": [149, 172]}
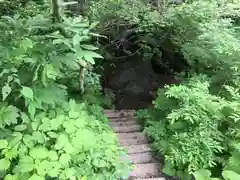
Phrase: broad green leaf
{"type": "Point", "coordinates": [76, 39]}
{"type": "Point", "coordinates": [90, 55]}
{"type": "Point", "coordinates": [52, 155]}
{"type": "Point", "coordinates": [26, 164]}
{"type": "Point", "coordinates": [26, 44]}
{"type": "Point", "coordinates": [27, 92]}
{"type": "Point", "coordinates": [202, 174]}
{"type": "Point", "coordinates": [169, 169]}
{"type": "Point", "coordinates": [28, 141]}
{"type": "Point", "coordinates": [20, 127]}
{"type": "Point", "coordinates": [63, 41]}
{"type": "Point", "coordinates": [43, 167]}
{"type": "Point", "coordinates": [73, 114]}
{"type": "Point", "coordinates": [39, 153]}
{"type": "Point", "coordinates": [51, 71]}
{"type": "Point", "coordinates": [11, 177]}
{"type": "Point", "coordinates": [52, 134]}
{"type": "Point", "coordinates": [61, 141]}
{"type": "Point", "coordinates": [3, 144]}
{"type": "Point", "coordinates": [36, 177]}
{"type": "Point", "coordinates": [6, 90]}
{"type": "Point", "coordinates": [56, 169]}
{"type": "Point", "coordinates": [4, 164]}
{"type": "Point", "coordinates": [65, 159]}
{"type": "Point", "coordinates": [10, 115]}
{"type": "Point", "coordinates": [230, 175]}
{"type": "Point", "coordinates": [89, 47]}
{"type": "Point", "coordinates": [94, 24]}
{"type": "Point", "coordinates": [24, 117]}
{"type": "Point", "coordinates": [39, 137]}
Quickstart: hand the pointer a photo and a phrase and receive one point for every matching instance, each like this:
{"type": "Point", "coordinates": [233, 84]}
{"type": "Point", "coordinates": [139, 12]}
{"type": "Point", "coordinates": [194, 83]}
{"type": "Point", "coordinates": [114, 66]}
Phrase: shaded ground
{"type": "Point", "coordinates": [135, 83]}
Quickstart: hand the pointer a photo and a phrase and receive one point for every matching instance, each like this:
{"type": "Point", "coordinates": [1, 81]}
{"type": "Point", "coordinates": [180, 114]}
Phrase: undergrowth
{"type": "Point", "coordinates": [46, 59]}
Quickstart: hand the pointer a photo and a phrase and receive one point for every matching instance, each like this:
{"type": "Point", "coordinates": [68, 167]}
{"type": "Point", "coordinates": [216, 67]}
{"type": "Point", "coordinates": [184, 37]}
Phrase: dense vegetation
{"type": "Point", "coordinates": [46, 60]}
{"type": "Point", "coordinates": [51, 58]}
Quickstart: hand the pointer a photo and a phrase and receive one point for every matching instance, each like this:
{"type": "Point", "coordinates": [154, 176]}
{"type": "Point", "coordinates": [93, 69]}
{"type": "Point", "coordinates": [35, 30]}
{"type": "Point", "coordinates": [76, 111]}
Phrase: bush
{"type": "Point", "coordinates": [65, 142]}
{"type": "Point", "coordinates": [43, 134]}
{"type": "Point", "coordinates": [194, 129]}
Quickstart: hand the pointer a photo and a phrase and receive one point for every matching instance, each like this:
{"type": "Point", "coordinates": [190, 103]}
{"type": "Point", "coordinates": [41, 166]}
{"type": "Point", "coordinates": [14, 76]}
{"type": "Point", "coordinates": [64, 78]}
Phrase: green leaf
{"type": "Point", "coordinates": [61, 141]}
{"type": "Point", "coordinates": [89, 47]}
{"type": "Point", "coordinates": [3, 144]}
{"type": "Point", "coordinates": [63, 41]}
{"type": "Point", "coordinates": [27, 92]}
{"type": "Point", "coordinates": [76, 39]}
{"type": "Point", "coordinates": [4, 164]}
{"type": "Point", "coordinates": [31, 108]}
{"type": "Point", "coordinates": [28, 141]}
{"type": "Point", "coordinates": [90, 55]}
{"type": "Point", "coordinates": [26, 44]}
{"type": "Point", "coordinates": [10, 115]}
{"type": "Point", "coordinates": [24, 117]}
{"type": "Point", "coordinates": [169, 169]}
{"type": "Point", "coordinates": [20, 127]}
{"type": "Point", "coordinates": [26, 164]}
{"type": "Point", "coordinates": [53, 155]}
{"type": "Point", "coordinates": [11, 177]}
{"type": "Point", "coordinates": [65, 159]}
{"type": "Point", "coordinates": [202, 174]}
{"type": "Point", "coordinates": [36, 177]}
{"type": "Point", "coordinates": [44, 167]}
{"type": "Point", "coordinates": [39, 137]}
{"type": "Point", "coordinates": [36, 73]}
{"type": "Point", "coordinates": [230, 175]}
{"type": "Point", "coordinates": [6, 90]}
{"type": "Point", "coordinates": [39, 153]}
{"type": "Point", "coordinates": [51, 71]}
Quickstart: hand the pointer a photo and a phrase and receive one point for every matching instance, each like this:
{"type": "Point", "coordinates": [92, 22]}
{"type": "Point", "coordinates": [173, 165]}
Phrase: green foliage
{"type": "Point", "coordinates": [64, 142]}
{"type": "Point", "coordinates": [192, 127]}
{"type": "Point", "coordinates": [43, 134]}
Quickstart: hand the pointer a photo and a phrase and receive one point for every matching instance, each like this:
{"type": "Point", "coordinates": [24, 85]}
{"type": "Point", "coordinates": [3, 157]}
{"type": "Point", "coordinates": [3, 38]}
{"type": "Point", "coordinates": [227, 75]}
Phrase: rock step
{"type": "Point", "coordinates": [123, 123]}
{"type": "Point", "coordinates": [122, 113]}
{"type": "Point", "coordinates": [130, 139]}
{"type": "Point", "coordinates": [127, 128]}
{"type": "Point", "coordinates": [140, 158]}
{"type": "Point", "coordinates": [123, 119]}
{"type": "Point", "coordinates": [116, 111]}
{"type": "Point", "coordinates": [132, 149]}
{"type": "Point", "coordinates": [160, 178]}
{"type": "Point", "coordinates": [148, 170]}
{"type": "Point", "coordinates": [152, 179]}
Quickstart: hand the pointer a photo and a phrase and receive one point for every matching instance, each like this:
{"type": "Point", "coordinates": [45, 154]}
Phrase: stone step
{"type": "Point", "coordinates": [158, 178]}
{"type": "Point", "coordinates": [122, 113]}
{"type": "Point", "coordinates": [148, 170]}
{"type": "Point", "coordinates": [127, 128]}
{"type": "Point", "coordinates": [123, 123]}
{"type": "Point", "coordinates": [140, 158]}
{"type": "Point", "coordinates": [123, 119]}
{"type": "Point", "coordinates": [129, 139]}
{"type": "Point", "coordinates": [140, 148]}
{"type": "Point", "coordinates": [114, 110]}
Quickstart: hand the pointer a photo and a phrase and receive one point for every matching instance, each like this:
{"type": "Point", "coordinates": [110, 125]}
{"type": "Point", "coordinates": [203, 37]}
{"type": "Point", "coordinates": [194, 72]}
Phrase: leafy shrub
{"type": "Point", "coordinates": [194, 129]}
{"type": "Point", "coordinates": [43, 135]}
{"type": "Point", "coordinates": [64, 142]}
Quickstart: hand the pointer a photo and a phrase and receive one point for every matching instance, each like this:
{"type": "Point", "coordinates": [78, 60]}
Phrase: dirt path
{"type": "Point", "coordinates": [129, 132]}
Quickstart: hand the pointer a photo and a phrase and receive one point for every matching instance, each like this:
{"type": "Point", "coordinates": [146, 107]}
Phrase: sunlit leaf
{"type": "Point", "coordinates": [6, 90]}
{"type": "Point", "coordinates": [27, 92]}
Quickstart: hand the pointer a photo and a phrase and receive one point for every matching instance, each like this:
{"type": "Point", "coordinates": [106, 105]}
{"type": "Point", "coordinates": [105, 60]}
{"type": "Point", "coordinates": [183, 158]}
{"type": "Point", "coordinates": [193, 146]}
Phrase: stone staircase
{"type": "Point", "coordinates": [130, 136]}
